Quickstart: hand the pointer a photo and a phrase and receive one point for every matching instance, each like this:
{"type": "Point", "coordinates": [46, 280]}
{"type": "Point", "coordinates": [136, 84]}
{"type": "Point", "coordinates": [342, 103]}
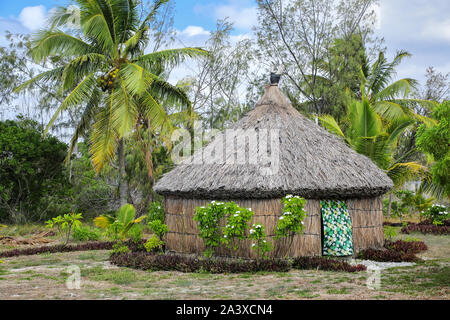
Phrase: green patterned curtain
{"type": "Point", "coordinates": [337, 228]}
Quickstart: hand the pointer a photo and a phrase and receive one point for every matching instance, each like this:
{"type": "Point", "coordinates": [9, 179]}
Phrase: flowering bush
{"type": "Point", "coordinates": [155, 212]}
{"type": "Point", "coordinates": [258, 234]}
{"type": "Point", "coordinates": [208, 221]}
{"type": "Point", "coordinates": [237, 223]}
{"type": "Point", "coordinates": [437, 214]}
{"type": "Point", "coordinates": [291, 222]}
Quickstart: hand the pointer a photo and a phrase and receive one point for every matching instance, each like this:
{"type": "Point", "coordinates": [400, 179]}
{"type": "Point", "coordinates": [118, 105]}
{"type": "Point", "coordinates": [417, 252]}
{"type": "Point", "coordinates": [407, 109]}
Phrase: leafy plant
{"type": "Point", "coordinates": [64, 224]}
{"type": "Point", "coordinates": [120, 247]}
{"type": "Point", "coordinates": [84, 233]}
{"type": "Point", "coordinates": [389, 232]}
{"type": "Point", "coordinates": [261, 246]}
{"type": "Point", "coordinates": [208, 221]}
{"type": "Point", "coordinates": [236, 225]}
{"type": "Point", "coordinates": [118, 228]}
{"type": "Point", "coordinates": [437, 214]}
{"type": "Point", "coordinates": [158, 228]}
{"type": "Point", "coordinates": [182, 263]}
{"type": "Point", "coordinates": [155, 212]}
{"type": "Point", "coordinates": [154, 244]}
{"type": "Point", "coordinates": [291, 222]}
{"type": "Point", "coordinates": [323, 263]}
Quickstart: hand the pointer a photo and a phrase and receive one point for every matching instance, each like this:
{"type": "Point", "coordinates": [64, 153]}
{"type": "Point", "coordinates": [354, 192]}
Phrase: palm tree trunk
{"type": "Point", "coordinates": [123, 183]}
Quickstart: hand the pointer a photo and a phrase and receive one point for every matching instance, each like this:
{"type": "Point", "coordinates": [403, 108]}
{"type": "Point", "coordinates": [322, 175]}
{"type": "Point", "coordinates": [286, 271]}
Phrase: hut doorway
{"type": "Point", "coordinates": [337, 239]}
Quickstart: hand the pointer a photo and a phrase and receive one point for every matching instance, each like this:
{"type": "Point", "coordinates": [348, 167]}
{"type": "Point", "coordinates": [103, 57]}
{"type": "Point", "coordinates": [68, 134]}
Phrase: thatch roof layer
{"type": "Point", "coordinates": [312, 162]}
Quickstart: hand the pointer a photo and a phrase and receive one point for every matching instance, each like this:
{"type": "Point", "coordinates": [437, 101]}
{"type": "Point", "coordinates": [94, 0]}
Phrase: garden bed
{"type": "Point", "coordinates": [192, 263]}
{"type": "Point", "coordinates": [427, 227]}
{"type": "Point", "coordinates": [94, 245]}
{"type": "Point", "coordinates": [398, 251]}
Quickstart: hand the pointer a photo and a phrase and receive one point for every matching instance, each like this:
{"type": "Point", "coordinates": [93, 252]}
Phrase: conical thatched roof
{"type": "Point", "coordinates": [312, 162]}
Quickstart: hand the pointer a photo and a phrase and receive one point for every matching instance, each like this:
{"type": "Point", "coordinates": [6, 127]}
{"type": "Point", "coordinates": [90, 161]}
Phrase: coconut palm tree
{"type": "Point", "coordinates": [390, 99]}
{"type": "Point", "coordinates": [108, 73]}
{"type": "Point", "coordinates": [368, 134]}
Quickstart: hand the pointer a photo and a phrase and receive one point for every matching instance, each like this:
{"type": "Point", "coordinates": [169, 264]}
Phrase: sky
{"type": "Point", "coordinates": [421, 27]}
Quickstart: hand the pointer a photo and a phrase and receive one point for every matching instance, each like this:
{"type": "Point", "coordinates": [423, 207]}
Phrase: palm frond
{"type": "Point", "coordinates": [82, 92]}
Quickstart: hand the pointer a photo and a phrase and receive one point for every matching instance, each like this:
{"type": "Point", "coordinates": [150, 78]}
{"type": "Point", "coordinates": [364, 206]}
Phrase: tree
{"type": "Point", "coordinates": [217, 80]}
{"type": "Point", "coordinates": [33, 181]}
{"type": "Point", "coordinates": [109, 74]}
{"type": "Point", "coordinates": [296, 36]}
{"type": "Point", "coordinates": [390, 100]}
{"type": "Point", "coordinates": [435, 141]}
{"type": "Point", "coordinates": [437, 86]}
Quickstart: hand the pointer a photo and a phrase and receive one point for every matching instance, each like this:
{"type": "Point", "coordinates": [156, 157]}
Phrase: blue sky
{"type": "Point", "coordinates": [421, 27]}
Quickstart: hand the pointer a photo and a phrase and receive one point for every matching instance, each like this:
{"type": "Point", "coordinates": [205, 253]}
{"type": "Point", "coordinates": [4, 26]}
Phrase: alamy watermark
{"type": "Point", "coordinates": [73, 281]}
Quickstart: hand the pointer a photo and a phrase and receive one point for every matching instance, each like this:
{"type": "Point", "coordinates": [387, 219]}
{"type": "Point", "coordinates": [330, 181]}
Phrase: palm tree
{"type": "Point", "coordinates": [390, 100]}
{"type": "Point", "coordinates": [108, 74]}
{"type": "Point", "coordinates": [368, 134]}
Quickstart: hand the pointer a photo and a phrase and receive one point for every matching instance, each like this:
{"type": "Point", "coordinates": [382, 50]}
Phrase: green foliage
{"type": "Point", "coordinates": [158, 228]}
{"type": "Point", "coordinates": [368, 134]}
{"type": "Point", "coordinates": [123, 226]}
{"type": "Point", "coordinates": [435, 141]}
{"type": "Point", "coordinates": [237, 224]}
{"type": "Point", "coordinates": [153, 244]}
{"type": "Point", "coordinates": [208, 221]}
{"type": "Point", "coordinates": [64, 224]}
{"type": "Point", "coordinates": [437, 214]}
{"type": "Point", "coordinates": [33, 181]}
{"type": "Point", "coordinates": [120, 247]}
{"type": "Point", "coordinates": [91, 192]}
{"type": "Point", "coordinates": [155, 212]}
{"type": "Point", "coordinates": [85, 233]}
{"type": "Point", "coordinates": [291, 222]}
{"type": "Point", "coordinates": [389, 233]}
{"type": "Point", "coordinates": [260, 245]}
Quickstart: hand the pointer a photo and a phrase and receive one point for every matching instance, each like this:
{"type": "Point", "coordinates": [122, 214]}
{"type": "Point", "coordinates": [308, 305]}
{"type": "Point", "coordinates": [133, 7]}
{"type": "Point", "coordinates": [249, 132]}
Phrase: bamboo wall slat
{"type": "Point", "coordinates": [366, 215]}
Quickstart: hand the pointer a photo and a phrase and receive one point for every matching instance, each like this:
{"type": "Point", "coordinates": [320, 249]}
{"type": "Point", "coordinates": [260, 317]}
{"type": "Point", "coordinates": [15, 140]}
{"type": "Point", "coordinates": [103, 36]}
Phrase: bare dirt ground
{"type": "Point", "coordinates": [44, 277]}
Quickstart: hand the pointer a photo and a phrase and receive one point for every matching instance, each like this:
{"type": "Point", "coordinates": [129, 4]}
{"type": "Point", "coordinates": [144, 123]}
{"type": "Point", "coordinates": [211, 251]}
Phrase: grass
{"type": "Point", "coordinates": [43, 277]}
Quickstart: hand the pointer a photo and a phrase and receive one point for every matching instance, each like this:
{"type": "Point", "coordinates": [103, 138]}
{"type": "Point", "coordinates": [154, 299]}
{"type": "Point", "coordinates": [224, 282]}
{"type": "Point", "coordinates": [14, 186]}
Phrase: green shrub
{"type": "Point", "coordinates": [291, 222]}
{"type": "Point", "coordinates": [437, 214]}
{"type": "Point", "coordinates": [156, 212]}
{"type": "Point", "coordinates": [86, 234]}
{"type": "Point", "coordinates": [65, 224]}
{"type": "Point", "coordinates": [158, 228]}
{"type": "Point", "coordinates": [154, 244]}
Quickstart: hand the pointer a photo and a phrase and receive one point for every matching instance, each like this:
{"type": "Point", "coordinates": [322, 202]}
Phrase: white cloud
{"type": "Point", "coordinates": [192, 31]}
{"type": "Point", "coordinates": [242, 18]}
{"type": "Point", "coordinates": [33, 17]}
{"type": "Point", "coordinates": [438, 30]}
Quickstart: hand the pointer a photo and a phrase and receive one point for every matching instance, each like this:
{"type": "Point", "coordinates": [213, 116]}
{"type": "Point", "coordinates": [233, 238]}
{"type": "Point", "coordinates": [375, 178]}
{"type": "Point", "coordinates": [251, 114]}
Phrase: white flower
{"type": "Point", "coordinates": [250, 209]}
{"type": "Point", "coordinates": [252, 231]}
{"type": "Point", "coordinates": [232, 227]}
{"type": "Point", "coordinates": [264, 241]}
{"type": "Point", "coordinates": [213, 201]}
{"type": "Point", "coordinates": [238, 212]}
{"type": "Point", "coordinates": [236, 215]}
{"type": "Point", "coordinates": [258, 226]}
{"type": "Point", "coordinates": [281, 218]}
{"type": "Point", "coordinates": [253, 244]}
{"type": "Point", "coordinates": [225, 236]}
{"type": "Point", "coordinates": [289, 196]}
{"type": "Point", "coordinates": [303, 222]}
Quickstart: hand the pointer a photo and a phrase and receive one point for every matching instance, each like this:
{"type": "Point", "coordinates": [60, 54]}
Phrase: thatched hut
{"type": "Point", "coordinates": [301, 158]}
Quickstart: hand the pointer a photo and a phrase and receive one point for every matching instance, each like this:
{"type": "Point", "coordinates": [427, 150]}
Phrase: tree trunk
{"type": "Point", "coordinates": [123, 183]}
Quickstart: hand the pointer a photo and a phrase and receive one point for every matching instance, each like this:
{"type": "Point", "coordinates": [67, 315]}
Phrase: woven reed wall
{"type": "Point", "coordinates": [367, 222]}
{"type": "Point", "coordinates": [183, 232]}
